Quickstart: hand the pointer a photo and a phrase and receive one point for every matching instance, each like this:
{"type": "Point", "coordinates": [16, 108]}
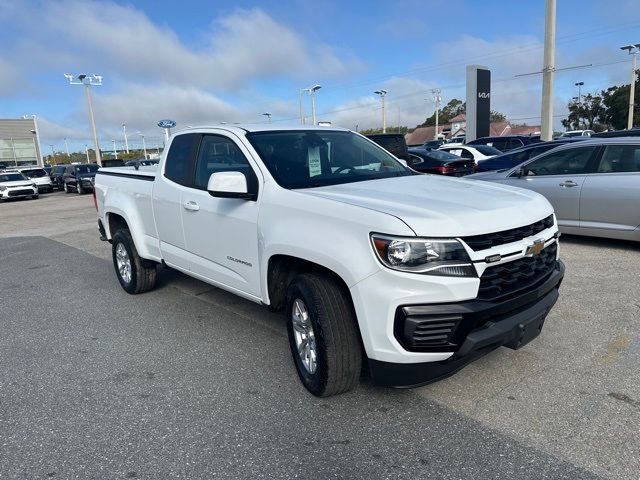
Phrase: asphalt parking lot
{"type": "Point", "coordinates": [188, 381]}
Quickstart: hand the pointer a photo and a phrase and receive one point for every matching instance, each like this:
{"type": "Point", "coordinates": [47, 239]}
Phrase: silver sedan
{"type": "Point", "coordinates": [593, 185]}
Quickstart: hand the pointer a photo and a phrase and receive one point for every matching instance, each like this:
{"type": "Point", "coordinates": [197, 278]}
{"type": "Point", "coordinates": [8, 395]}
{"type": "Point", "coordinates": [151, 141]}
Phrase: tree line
{"type": "Point", "coordinates": [607, 110]}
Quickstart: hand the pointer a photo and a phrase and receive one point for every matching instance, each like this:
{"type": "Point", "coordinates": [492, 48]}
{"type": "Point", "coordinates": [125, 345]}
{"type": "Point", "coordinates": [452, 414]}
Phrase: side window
{"type": "Point", "coordinates": [221, 154]}
{"type": "Point", "coordinates": [520, 157]}
{"type": "Point", "coordinates": [466, 154]}
{"type": "Point", "coordinates": [179, 164]}
{"type": "Point", "coordinates": [620, 158]}
{"type": "Point", "coordinates": [566, 162]}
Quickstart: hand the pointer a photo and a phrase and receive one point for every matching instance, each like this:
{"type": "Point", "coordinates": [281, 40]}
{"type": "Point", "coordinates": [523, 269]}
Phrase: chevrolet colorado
{"type": "Point", "coordinates": [414, 275]}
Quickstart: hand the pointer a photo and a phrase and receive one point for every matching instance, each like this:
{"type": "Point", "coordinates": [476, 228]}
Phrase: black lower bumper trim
{"type": "Point", "coordinates": [512, 328]}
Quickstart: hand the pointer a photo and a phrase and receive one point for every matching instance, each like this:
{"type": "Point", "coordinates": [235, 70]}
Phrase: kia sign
{"type": "Point", "coordinates": [166, 124]}
{"type": "Point", "coordinates": [478, 102]}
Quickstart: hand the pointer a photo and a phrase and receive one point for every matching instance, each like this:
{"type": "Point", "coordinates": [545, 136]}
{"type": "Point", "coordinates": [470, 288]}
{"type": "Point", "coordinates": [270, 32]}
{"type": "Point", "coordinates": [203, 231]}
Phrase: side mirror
{"type": "Point", "coordinates": [229, 185]}
{"type": "Point", "coordinates": [520, 172]}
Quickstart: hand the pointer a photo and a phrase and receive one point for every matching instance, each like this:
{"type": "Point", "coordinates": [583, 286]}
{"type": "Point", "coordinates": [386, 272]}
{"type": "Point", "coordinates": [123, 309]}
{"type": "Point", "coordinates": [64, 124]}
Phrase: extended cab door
{"type": "Point", "coordinates": [222, 233]}
{"type": "Point", "coordinates": [559, 176]}
{"type": "Point", "coordinates": [168, 187]}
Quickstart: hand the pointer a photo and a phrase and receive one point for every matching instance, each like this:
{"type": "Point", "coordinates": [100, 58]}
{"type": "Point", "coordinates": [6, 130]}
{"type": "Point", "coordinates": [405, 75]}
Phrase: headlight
{"type": "Point", "coordinates": [444, 257]}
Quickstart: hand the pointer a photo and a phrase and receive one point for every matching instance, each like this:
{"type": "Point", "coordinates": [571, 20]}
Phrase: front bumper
{"type": "Point", "coordinates": [22, 192]}
{"type": "Point", "coordinates": [485, 325]}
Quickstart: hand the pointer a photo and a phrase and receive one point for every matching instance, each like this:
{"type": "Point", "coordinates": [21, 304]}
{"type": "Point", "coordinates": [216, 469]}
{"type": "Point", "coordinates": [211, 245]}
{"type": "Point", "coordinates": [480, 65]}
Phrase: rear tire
{"type": "Point", "coordinates": [65, 187]}
{"type": "Point", "coordinates": [333, 334]}
{"type": "Point", "coordinates": [135, 274]}
{"type": "Point", "coordinates": [79, 188]}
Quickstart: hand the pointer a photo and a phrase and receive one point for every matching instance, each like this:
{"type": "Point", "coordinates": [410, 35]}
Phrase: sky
{"type": "Point", "coordinates": [205, 62]}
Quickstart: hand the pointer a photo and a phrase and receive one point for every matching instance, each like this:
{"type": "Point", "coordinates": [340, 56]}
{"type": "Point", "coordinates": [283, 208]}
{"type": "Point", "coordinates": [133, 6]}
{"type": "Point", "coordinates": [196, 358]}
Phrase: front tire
{"type": "Point", "coordinates": [65, 187]}
{"type": "Point", "coordinates": [135, 274]}
{"type": "Point", "coordinates": [323, 335]}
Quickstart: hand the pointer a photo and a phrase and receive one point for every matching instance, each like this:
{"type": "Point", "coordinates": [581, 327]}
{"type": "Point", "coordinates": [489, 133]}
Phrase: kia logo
{"type": "Point", "coordinates": [484, 94]}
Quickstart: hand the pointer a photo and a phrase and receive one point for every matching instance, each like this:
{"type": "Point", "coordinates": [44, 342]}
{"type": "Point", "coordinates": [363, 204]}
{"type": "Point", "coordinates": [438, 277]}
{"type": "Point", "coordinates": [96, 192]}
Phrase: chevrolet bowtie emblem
{"type": "Point", "coordinates": [535, 248]}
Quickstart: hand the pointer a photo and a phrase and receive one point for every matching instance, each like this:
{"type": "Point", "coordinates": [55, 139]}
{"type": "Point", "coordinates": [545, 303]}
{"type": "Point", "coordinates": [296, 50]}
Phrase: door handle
{"type": "Point", "coordinates": [191, 205]}
{"type": "Point", "coordinates": [568, 183]}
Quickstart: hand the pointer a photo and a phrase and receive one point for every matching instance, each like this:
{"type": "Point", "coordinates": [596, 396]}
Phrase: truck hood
{"type": "Point", "coordinates": [434, 205]}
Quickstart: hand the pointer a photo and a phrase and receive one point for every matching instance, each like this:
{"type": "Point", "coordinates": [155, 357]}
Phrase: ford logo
{"type": "Point", "coordinates": [166, 124]}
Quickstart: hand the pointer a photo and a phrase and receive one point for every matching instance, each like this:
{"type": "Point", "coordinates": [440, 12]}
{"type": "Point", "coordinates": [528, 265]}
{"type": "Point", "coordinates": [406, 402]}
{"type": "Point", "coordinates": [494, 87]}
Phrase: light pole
{"type": "Point", "coordinates": [144, 145]}
{"type": "Point", "coordinates": [53, 153]}
{"type": "Point", "coordinates": [268, 115]}
{"type": "Point", "coordinates": [437, 98]}
{"type": "Point", "coordinates": [312, 93]}
{"type": "Point", "coordinates": [88, 81]}
{"type": "Point", "coordinates": [66, 147]}
{"type": "Point", "coordinates": [382, 94]}
{"type": "Point", "coordinates": [35, 127]}
{"type": "Point", "coordinates": [86, 151]}
{"type": "Point", "coordinates": [115, 150]}
{"type": "Point", "coordinates": [548, 69]}
{"type": "Point", "coordinates": [633, 51]}
{"type": "Point", "coordinates": [126, 141]}
{"type": "Point", "coordinates": [300, 105]}
{"type": "Point", "coordinates": [579, 85]}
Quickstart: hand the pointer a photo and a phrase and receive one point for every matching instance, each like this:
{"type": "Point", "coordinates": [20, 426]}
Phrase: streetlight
{"type": "Point", "coordinates": [86, 151]}
{"type": "Point", "coordinates": [53, 153]}
{"type": "Point", "coordinates": [268, 115]}
{"type": "Point", "coordinates": [382, 94]}
{"type": "Point", "coordinates": [126, 141]}
{"type": "Point", "coordinates": [115, 150]}
{"type": "Point", "coordinates": [312, 93]}
{"type": "Point", "coordinates": [579, 85]}
{"type": "Point", "coordinates": [35, 126]}
{"type": "Point", "coordinates": [437, 98]}
{"type": "Point", "coordinates": [66, 147]}
{"type": "Point", "coordinates": [144, 145]}
{"type": "Point", "coordinates": [633, 51]}
{"type": "Point", "coordinates": [88, 81]}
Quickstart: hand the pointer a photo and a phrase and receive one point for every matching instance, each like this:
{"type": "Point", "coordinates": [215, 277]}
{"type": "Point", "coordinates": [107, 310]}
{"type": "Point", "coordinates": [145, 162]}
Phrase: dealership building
{"type": "Point", "coordinates": [19, 142]}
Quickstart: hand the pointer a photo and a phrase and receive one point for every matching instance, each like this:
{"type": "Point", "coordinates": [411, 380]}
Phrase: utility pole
{"type": "Point", "coordinates": [88, 81]}
{"type": "Point", "coordinates": [437, 98]}
{"type": "Point", "coordinates": [548, 70]}
{"type": "Point", "coordinates": [312, 93]}
{"type": "Point", "coordinates": [53, 153]}
{"type": "Point", "coordinates": [633, 51]}
{"type": "Point", "coordinates": [35, 130]}
{"type": "Point", "coordinates": [126, 141]}
{"type": "Point", "coordinates": [579, 85]}
{"type": "Point", "coordinates": [115, 150]}
{"type": "Point", "coordinates": [382, 94]}
{"type": "Point", "coordinates": [86, 152]}
{"type": "Point", "coordinates": [66, 147]}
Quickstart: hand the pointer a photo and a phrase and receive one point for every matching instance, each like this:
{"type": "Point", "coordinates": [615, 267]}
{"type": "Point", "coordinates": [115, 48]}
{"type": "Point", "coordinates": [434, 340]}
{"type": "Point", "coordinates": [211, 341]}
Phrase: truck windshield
{"type": "Point", "coordinates": [316, 158]}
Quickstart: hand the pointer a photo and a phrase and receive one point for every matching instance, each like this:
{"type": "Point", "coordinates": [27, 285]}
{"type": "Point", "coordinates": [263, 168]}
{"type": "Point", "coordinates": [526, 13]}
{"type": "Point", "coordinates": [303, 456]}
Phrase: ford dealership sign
{"type": "Point", "coordinates": [166, 124]}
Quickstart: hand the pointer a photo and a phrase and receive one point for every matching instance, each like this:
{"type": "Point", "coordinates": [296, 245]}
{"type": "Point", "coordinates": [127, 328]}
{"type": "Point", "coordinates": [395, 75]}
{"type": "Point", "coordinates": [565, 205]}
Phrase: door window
{"type": "Point", "coordinates": [466, 154]}
{"type": "Point", "coordinates": [573, 161]}
{"type": "Point", "coordinates": [500, 144]}
{"type": "Point", "coordinates": [221, 154]}
{"type": "Point", "coordinates": [620, 158]}
{"type": "Point", "coordinates": [178, 166]}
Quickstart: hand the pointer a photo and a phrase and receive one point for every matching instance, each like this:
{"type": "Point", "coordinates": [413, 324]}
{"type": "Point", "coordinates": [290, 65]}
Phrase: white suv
{"type": "Point", "coordinates": [39, 176]}
{"type": "Point", "coordinates": [16, 185]}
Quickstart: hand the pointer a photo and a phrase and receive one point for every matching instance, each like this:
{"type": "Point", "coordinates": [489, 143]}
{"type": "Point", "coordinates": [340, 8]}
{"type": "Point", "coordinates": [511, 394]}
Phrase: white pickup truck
{"type": "Point", "coordinates": [416, 275]}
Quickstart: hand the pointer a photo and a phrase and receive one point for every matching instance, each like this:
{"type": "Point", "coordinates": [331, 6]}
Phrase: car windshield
{"type": "Point", "coordinates": [316, 158]}
{"type": "Point", "coordinates": [86, 168]}
{"type": "Point", "coordinates": [487, 150]}
{"type": "Point", "coordinates": [35, 173]}
{"type": "Point", "coordinates": [12, 177]}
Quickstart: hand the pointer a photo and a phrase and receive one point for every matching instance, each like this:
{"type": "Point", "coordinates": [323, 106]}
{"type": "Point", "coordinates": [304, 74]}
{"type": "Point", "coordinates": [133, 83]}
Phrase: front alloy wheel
{"type": "Point", "coordinates": [304, 336]}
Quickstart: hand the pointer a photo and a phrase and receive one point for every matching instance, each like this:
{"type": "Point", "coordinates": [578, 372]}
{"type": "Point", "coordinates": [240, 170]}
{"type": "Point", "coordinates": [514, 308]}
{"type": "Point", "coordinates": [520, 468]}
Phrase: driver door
{"type": "Point", "coordinates": [559, 176]}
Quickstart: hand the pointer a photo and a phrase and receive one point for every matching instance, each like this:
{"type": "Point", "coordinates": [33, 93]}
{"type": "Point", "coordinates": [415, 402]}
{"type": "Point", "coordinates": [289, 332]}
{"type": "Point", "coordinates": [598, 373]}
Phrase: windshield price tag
{"type": "Point", "coordinates": [314, 161]}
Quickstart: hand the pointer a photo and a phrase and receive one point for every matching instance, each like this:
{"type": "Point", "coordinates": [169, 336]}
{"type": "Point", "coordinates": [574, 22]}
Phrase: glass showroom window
{"type": "Point", "coordinates": [25, 151]}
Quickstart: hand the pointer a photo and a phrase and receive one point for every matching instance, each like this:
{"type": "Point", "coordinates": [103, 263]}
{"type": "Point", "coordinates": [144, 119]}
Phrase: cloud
{"type": "Point", "coordinates": [120, 41]}
{"type": "Point", "coordinates": [9, 77]}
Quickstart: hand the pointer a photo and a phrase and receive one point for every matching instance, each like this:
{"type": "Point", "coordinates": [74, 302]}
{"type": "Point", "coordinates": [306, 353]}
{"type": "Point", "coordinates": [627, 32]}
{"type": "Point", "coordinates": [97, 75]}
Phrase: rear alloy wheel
{"type": "Point", "coordinates": [135, 274]}
{"type": "Point", "coordinates": [65, 187]}
{"type": "Point", "coordinates": [323, 334]}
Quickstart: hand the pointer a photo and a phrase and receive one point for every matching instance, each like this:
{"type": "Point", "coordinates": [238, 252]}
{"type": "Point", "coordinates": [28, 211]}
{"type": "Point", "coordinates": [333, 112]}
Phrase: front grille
{"type": "Point", "coordinates": [516, 276]}
{"type": "Point", "coordinates": [19, 193]}
{"type": "Point", "coordinates": [482, 242]}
